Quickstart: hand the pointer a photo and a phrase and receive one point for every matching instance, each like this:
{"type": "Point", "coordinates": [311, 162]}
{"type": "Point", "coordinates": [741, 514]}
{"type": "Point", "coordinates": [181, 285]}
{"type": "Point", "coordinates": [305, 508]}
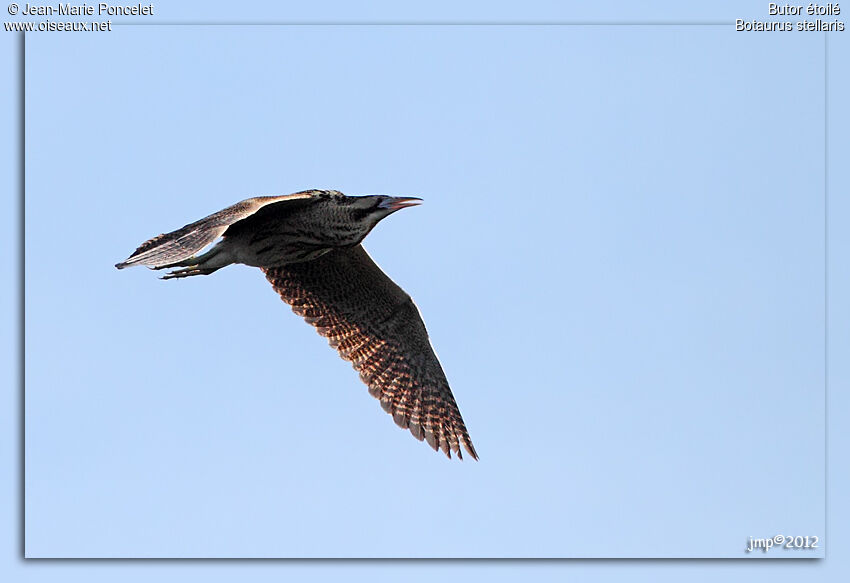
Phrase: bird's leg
{"type": "Point", "coordinates": [204, 264]}
{"type": "Point", "coordinates": [189, 271]}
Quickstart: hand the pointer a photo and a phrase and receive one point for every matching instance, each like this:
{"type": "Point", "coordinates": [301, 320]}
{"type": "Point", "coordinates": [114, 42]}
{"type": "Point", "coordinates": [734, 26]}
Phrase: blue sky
{"type": "Point", "coordinates": [619, 259]}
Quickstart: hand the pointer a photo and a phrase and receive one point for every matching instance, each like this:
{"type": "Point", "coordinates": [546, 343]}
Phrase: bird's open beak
{"type": "Point", "coordinates": [395, 203]}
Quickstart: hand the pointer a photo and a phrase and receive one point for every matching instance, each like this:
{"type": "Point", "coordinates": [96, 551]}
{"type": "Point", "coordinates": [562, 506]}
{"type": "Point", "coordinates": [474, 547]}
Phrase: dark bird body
{"type": "Point", "coordinates": [308, 246]}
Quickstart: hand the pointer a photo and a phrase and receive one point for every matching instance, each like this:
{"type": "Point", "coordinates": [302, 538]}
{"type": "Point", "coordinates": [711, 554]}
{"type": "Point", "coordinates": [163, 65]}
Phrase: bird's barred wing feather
{"type": "Point", "coordinates": [167, 249]}
{"type": "Point", "coordinates": [374, 324]}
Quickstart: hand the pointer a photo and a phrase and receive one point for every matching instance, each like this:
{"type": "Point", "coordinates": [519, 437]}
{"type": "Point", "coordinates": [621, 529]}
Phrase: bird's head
{"type": "Point", "coordinates": [348, 219]}
{"type": "Point", "coordinates": [371, 209]}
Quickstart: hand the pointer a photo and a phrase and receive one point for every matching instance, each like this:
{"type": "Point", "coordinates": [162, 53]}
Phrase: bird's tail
{"type": "Point", "coordinates": [176, 249]}
{"type": "Point", "coordinates": [173, 249]}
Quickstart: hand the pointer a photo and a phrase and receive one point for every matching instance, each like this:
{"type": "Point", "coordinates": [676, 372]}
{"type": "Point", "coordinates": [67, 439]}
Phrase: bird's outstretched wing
{"type": "Point", "coordinates": [374, 324]}
{"type": "Point", "coordinates": [170, 248]}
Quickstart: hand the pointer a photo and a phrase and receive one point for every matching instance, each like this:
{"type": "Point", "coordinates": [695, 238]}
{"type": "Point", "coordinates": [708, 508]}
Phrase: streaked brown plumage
{"type": "Point", "coordinates": [308, 246]}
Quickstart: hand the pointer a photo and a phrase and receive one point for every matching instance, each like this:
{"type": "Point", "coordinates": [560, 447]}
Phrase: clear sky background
{"type": "Point", "coordinates": [620, 260]}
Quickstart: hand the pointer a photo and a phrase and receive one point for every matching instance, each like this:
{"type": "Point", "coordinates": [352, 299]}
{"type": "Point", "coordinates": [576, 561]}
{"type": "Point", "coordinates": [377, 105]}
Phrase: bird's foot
{"type": "Point", "coordinates": [187, 272]}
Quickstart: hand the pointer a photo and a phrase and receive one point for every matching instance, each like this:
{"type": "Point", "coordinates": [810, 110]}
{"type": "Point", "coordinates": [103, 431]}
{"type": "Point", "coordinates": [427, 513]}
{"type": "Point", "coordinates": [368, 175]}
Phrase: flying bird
{"type": "Point", "coordinates": [308, 246]}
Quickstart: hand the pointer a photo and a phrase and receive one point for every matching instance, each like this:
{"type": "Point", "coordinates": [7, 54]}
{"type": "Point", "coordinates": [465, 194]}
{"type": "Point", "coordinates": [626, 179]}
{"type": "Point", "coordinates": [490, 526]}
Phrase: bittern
{"type": "Point", "coordinates": [308, 246]}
